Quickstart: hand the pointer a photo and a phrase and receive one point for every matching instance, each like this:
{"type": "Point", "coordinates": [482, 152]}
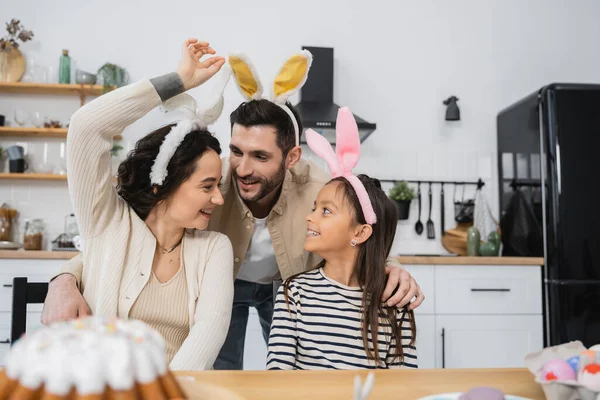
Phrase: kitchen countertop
{"type": "Point", "coordinates": [37, 255]}
{"type": "Point", "coordinates": [458, 260]}
{"type": "Point", "coordinates": [408, 260]}
{"type": "Point", "coordinates": [389, 384]}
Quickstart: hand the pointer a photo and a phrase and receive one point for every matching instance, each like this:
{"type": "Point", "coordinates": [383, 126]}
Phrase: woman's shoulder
{"type": "Point", "coordinates": [206, 235]}
{"type": "Point", "coordinates": [210, 240]}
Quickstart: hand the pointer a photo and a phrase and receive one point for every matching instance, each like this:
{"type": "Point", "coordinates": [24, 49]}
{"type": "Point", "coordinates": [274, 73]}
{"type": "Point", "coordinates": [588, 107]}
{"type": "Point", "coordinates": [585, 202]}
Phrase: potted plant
{"type": "Point", "coordinates": [9, 49]}
{"type": "Point", "coordinates": [402, 194]}
{"type": "Point", "coordinates": [113, 76]}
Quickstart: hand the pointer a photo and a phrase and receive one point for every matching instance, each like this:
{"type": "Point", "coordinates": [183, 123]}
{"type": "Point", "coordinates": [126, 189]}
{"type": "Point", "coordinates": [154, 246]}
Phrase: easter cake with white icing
{"type": "Point", "coordinates": [89, 359]}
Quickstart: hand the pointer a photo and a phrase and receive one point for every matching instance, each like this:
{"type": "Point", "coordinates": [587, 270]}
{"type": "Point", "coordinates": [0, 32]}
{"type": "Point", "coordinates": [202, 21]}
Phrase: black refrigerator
{"type": "Point", "coordinates": [549, 146]}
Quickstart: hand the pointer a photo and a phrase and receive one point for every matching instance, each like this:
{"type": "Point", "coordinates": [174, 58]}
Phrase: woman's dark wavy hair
{"type": "Point", "coordinates": [369, 269]}
{"type": "Point", "coordinates": [133, 180]}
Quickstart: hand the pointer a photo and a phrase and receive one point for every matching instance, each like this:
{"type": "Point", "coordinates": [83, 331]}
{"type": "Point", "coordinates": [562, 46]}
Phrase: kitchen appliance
{"type": "Point", "coordinates": [550, 141]}
{"type": "Point", "coordinates": [316, 107]}
{"type": "Point", "coordinates": [66, 240]}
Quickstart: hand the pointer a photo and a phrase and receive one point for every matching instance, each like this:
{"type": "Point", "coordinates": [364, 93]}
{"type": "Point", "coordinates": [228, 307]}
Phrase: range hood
{"type": "Point", "coordinates": [316, 107]}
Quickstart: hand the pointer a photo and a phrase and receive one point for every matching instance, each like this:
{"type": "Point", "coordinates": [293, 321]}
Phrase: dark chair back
{"type": "Point", "coordinates": [24, 293]}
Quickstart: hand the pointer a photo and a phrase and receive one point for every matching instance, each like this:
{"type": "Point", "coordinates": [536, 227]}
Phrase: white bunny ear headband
{"type": "Point", "coordinates": [288, 81]}
{"type": "Point", "coordinates": [194, 118]}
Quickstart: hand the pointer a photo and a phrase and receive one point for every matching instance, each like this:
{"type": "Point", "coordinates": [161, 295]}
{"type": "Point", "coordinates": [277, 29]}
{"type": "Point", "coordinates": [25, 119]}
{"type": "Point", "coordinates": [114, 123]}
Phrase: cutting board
{"type": "Point", "coordinates": [15, 66]}
{"type": "Point", "coordinates": [455, 240]}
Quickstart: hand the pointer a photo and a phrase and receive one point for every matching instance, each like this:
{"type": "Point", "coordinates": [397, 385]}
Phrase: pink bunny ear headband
{"type": "Point", "coordinates": [347, 153]}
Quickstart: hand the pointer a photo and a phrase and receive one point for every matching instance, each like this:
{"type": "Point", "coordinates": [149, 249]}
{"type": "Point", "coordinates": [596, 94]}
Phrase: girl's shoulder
{"type": "Point", "coordinates": [306, 279]}
{"type": "Point", "coordinates": [301, 284]}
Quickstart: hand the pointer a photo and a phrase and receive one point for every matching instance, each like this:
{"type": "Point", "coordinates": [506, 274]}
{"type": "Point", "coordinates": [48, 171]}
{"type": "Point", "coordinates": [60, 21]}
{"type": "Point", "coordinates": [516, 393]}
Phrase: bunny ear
{"type": "Point", "coordinates": [347, 142]}
{"type": "Point", "coordinates": [246, 77]}
{"type": "Point", "coordinates": [292, 76]}
{"type": "Point", "coordinates": [182, 103]}
{"type": "Point", "coordinates": [209, 114]}
{"type": "Point", "coordinates": [322, 148]}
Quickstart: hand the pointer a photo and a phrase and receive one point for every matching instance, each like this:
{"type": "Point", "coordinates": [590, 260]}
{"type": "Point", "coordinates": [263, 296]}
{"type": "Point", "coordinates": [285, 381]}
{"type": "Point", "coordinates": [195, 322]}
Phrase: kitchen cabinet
{"type": "Point", "coordinates": [477, 316]}
{"type": "Point", "coordinates": [486, 341]}
{"type": "Point", "coordinates": [426, 340]}
{"type": "Point", "coordinates": [490, 316]}
{"type": "Point", "coordinates": [36, 270]}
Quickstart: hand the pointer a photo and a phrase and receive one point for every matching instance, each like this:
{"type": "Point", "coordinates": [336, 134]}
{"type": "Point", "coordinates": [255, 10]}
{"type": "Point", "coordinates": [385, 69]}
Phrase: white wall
{"type": "Point", "coordinates": [395, 63]}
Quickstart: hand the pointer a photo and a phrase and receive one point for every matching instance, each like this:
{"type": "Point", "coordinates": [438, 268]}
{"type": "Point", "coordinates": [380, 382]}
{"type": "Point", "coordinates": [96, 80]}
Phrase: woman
{"type": "Point", "coordinates": [146, 255]}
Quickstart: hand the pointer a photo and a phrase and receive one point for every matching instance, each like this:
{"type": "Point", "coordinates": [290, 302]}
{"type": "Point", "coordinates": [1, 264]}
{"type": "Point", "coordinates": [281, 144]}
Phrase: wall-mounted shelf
{"type": "Point", "coordinates": [12, 131]}
{"type": "Point", "coordinates": [52, 88]}
{"type": "Point", "coordinates": [33, 176]}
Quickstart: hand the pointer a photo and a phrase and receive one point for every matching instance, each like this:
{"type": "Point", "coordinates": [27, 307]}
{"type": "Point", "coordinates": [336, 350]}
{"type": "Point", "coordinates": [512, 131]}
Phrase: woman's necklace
{"type": "Point", "coordinates": [165, 251]}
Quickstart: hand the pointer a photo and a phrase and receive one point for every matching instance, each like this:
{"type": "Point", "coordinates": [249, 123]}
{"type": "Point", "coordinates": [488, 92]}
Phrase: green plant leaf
{"type": "Point", "coordinates": [402, 192]}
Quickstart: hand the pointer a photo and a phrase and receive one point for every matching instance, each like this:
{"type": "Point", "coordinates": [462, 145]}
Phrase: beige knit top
{"type": "Point", "coordinates": [164, 307]}
{"type": "Point", "coordinates": [119, 247]}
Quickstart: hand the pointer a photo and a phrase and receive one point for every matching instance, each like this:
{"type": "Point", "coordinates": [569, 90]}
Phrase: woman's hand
{"type": "Point", "coordinates": [194, 71]}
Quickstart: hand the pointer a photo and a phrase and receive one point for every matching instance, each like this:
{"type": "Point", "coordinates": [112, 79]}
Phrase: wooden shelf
{"type": "Point", "coordinates": [28, 176]}
{"type": "Point", "coordinates": [12, 131]}
{"type": "Point", "coordinates": [51, 88]}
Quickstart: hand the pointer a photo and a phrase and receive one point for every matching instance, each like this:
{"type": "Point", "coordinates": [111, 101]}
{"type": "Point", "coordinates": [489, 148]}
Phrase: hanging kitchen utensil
{"type": "Point", "coordinates": [430, 227]}
{"type": "Point", "coordinates": [442, 210]}
{"type": "Point", "coordinates": [463, 210]}
{"type": "Point", "coordinates": [419, 224]}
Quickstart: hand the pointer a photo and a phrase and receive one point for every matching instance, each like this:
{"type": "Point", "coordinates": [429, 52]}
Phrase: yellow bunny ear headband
{"type": "Point", "coordinates": [289, 80]}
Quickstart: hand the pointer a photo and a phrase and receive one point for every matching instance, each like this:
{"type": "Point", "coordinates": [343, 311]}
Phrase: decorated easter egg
{"type": "Point", "coordinates": [589, 357]}
{"type": "Point", "coordinates": [595, 347]}
{"type": "Point", "coordinates": [558, 370]}
{"type": "Point", "coordinates": [589, 376]}
{"type": "Point", "coordinates": [481, 393]}
{"type": "Point", "coordinates": [574, 363]}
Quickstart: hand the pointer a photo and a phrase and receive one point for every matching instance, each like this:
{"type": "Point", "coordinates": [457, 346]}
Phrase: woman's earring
{"type": "Point", "coordinates": [353, 242]}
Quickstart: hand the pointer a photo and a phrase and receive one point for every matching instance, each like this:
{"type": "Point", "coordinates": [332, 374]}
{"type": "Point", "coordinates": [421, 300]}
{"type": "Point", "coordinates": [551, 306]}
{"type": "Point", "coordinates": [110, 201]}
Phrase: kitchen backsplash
{"type": "Point", "coordinates": [422, 164]}
{"type": "Point", "coordinates": [50, 200]}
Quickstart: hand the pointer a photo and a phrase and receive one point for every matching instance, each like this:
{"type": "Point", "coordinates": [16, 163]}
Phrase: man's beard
{"type": "Point", "coordinates": [266, 185]}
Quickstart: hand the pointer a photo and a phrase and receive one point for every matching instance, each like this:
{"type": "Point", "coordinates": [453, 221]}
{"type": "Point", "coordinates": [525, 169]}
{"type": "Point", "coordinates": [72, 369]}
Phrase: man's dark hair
{"type": "Point", "coordinates": [263, 112]}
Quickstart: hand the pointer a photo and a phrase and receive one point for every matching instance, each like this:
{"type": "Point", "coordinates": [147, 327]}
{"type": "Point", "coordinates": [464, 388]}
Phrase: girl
{"type": "Point", "coordinates": [331, 317]}
{"type": "Point", "coordinates": [146, 255]}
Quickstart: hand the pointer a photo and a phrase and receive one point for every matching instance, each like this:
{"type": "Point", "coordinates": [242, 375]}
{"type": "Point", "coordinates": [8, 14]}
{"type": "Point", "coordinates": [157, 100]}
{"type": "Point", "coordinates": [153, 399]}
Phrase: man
{"type": "Point", "coordinates": [268, 190]}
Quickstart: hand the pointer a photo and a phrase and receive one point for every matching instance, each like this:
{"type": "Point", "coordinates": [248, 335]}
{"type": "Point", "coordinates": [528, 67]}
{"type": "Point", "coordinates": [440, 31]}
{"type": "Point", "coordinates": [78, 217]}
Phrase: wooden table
{"type": "Point", "coordinates": [389, 384]}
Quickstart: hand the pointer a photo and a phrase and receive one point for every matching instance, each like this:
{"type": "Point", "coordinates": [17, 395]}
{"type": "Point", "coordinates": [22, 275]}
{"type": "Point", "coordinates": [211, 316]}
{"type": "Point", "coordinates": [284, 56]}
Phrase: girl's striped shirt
{"type": "Point", "coordinates": [322, 329]}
